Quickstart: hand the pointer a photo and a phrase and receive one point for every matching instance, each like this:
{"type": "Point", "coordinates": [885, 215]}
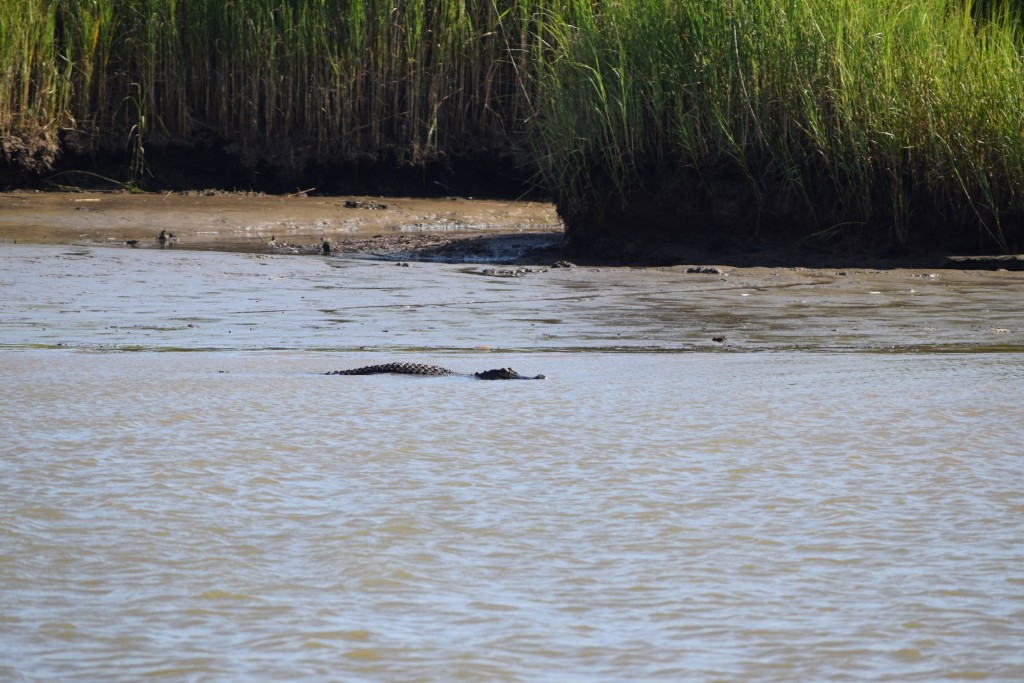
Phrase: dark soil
{"type": "Point", "coordinates": [215, 163]}
{"type": "Point", "coordinates": [718, 217]}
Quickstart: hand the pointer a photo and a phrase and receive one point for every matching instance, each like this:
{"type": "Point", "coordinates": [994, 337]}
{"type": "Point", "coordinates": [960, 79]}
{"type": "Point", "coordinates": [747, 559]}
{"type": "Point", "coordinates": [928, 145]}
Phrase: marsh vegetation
{"type": "Point", "coordinates": [652, 119]}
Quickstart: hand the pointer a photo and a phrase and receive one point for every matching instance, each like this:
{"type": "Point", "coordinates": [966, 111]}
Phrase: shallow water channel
{"type": "Point", "coordinates": [834, 494]}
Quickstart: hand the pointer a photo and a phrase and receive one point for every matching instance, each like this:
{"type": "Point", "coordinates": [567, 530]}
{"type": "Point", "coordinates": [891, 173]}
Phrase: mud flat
{"type": "Point", "coordinates": [263, 223]}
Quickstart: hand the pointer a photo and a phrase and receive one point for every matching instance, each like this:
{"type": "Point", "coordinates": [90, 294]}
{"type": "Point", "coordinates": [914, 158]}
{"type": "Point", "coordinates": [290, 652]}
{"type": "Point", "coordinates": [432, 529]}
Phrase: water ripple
{"type": "Point", "coordinates": [776, 517]}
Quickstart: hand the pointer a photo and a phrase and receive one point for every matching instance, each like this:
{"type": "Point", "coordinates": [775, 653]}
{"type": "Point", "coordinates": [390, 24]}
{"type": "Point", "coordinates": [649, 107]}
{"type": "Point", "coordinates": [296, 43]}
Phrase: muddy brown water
{"type": "Point", "coordinates": [835, 493]}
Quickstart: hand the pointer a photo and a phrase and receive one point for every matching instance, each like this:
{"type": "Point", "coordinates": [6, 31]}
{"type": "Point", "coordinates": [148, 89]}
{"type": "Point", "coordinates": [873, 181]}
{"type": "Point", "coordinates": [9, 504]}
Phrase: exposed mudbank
{"type": "Point", "coordinates": [395, 228]}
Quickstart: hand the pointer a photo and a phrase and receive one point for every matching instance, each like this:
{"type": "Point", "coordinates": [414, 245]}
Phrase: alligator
{"type": "Point", "coordinates": [430, 370]}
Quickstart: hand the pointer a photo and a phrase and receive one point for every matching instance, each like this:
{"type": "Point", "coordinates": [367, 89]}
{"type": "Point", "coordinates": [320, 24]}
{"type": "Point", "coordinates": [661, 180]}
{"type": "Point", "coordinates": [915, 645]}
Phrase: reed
{"type": "Point", "coordinates": [862, 112]}
{"type": "Point", "coordinates": [318, 80]}
{"type": "Point", "coordinates": [856, 112]}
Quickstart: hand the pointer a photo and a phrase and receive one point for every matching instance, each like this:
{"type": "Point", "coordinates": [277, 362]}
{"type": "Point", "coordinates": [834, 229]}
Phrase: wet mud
{"type": "Point", "coordinates": [258, 223]}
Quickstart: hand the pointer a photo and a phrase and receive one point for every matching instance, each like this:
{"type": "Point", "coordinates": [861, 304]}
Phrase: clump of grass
{"type": "Point", "coordinates": [30, 80]}
{"type": "Point", "coordinates": [865, 113]}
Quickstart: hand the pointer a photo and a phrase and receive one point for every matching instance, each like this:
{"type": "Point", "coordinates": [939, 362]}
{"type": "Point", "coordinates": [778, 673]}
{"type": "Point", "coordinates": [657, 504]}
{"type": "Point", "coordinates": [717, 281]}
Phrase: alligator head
{"type": "Point", "coordinates": [504, 373]}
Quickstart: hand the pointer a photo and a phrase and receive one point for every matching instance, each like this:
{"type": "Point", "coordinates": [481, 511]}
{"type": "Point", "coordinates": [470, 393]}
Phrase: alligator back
{"type": "Point", "coordinates": [396, 368]}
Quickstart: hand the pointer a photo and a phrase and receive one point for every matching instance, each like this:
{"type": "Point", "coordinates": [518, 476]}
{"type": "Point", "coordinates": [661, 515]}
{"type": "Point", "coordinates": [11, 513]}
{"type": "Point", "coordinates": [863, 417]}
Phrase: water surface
{"type": "Point", "coordinates": [652, 511]}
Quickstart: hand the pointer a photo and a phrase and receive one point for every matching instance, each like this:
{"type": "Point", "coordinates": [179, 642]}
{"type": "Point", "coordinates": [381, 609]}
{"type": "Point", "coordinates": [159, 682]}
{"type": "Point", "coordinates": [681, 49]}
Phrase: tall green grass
{"type": "Point", "coordinates": [901, 113]}
{"type": "Point", "coordinates": [312, 80]}
{"type": "Point", "coordinates": [862, 112]}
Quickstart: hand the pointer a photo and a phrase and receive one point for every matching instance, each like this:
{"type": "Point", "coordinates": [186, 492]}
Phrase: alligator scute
{"type": "Point", "coordinates": [430, 370]}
